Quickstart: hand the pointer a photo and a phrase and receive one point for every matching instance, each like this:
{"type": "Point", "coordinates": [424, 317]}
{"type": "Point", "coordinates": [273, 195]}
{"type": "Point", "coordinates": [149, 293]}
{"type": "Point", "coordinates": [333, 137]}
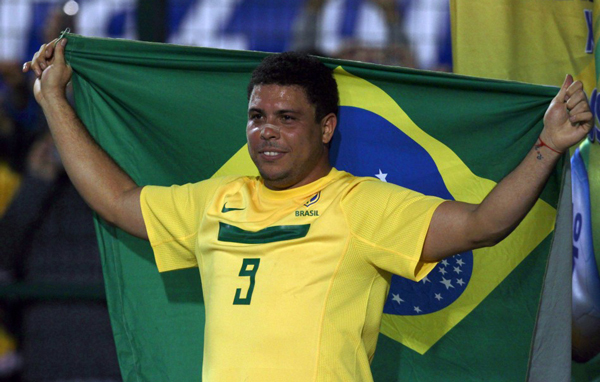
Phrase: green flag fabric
{"type": "Point", "coordinates": [172, 115]}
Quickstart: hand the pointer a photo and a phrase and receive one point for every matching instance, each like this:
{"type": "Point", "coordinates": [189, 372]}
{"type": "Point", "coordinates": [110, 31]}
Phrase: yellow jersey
{"type": "Point", "coordinates": [294, 281]}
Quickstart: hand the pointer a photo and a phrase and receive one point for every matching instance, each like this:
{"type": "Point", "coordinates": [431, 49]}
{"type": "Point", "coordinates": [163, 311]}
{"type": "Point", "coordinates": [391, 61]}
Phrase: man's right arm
{"type": "Point", "coordinates": [106, 188]}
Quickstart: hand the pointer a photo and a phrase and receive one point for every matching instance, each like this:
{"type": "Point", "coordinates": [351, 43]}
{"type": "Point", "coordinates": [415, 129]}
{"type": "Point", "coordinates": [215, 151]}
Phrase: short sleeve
{"type": "Point", "coordinates": [393, 221]}
{"type": "Point", "coordinates": [172, 216]}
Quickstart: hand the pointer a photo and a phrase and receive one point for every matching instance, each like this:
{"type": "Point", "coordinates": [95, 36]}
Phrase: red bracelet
{"type": "Point", "coordinates": [542, 143]}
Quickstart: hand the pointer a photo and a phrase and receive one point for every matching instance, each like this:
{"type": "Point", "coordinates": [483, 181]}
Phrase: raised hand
{"type": "Point", "coordinates": [568, 118]}
{"type": "Point", "coordinates": [52, 72]}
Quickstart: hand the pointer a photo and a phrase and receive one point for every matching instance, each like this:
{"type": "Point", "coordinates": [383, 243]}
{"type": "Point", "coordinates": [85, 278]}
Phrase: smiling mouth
{"type": "Point", "coordinates": [270, 155]}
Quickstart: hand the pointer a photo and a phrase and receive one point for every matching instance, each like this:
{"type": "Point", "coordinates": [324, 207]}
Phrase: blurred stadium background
{"type": "Point", "coordinates": [265, 25]}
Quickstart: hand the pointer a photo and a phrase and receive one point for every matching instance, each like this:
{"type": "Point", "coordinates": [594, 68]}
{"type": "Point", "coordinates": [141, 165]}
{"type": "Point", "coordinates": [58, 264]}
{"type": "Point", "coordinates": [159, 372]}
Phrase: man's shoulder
{"type": "Point", "coordinates": [203, 187]}
{"type": "Point", "coordinates": [235, 180]}
{"type": "Point", "coordinates": [369, 190]}
{"type": "Point", "coordinates": [341, 176]}
{"type": "Point", "coordinates": [364, 183]}
{"type": "Point", "coordinates": [223, 181]}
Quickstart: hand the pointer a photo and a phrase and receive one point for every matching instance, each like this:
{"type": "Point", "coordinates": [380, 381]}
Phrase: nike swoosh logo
{"type": "Point", "coordinates": [225, 209]}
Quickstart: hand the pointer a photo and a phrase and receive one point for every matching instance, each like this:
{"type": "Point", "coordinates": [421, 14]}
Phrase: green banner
{"type": "Point", "coordinates": [172, 115]}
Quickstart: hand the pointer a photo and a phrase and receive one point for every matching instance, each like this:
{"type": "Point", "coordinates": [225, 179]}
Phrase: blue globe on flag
{"type": "Point", "coordinates": [358, 127]}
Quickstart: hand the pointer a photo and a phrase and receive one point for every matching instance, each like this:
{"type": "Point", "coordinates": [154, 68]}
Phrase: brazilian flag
{"type": "Point", "coordinates": [171, 115]}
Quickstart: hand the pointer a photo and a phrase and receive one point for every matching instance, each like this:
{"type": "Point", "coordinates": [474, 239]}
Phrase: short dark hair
{"type": "Point", "coordinates": [293, 68]}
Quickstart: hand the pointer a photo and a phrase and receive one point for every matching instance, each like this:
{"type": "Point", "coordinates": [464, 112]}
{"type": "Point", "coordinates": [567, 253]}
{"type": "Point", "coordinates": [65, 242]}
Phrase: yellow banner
{"type": "Point", "coordinates": [535, 41]}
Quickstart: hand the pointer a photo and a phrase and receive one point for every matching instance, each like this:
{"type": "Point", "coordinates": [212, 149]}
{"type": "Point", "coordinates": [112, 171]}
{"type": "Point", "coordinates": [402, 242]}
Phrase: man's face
{"type": "Point", "coordinates": [285, 142]}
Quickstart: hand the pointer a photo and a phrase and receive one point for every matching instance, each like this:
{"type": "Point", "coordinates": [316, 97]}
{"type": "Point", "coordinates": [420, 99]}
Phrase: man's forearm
{"type": "Point", "coordinates": [510, 201]}
{"type": "Point", "coordinates": [567, 121]}
{"type": "Point", "coordinates": [457, 227]}
{"type": "Point", "coordinates": [101, 182]}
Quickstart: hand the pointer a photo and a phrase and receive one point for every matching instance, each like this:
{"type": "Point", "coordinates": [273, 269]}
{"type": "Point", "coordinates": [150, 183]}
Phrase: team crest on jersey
{"type": "Point", "coordinates": [313, 200]}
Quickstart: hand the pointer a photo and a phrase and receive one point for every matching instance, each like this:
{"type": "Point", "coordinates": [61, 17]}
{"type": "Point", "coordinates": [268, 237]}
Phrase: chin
{"type": "Point", "coordinates": [272, 176]}
{"type": "Point", "coordinates": [278, 180]}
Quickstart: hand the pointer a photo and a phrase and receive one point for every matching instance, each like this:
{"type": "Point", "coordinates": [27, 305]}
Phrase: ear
{"type": "Point", "coordinates": [328, 125]}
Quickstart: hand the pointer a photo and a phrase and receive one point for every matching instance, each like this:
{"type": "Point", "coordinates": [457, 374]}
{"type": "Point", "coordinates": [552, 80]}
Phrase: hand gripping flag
{"type": "Point", "coordinates": [170, 115]}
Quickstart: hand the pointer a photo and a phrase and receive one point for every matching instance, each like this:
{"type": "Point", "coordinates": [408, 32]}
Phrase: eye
{"type": "Point", "coordinates": [254, 116]}
{"type": "Point", "coordinates": [288, 118]}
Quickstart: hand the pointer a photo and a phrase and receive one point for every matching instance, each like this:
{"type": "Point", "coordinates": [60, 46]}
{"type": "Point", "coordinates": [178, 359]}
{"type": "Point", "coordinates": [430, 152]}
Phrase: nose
{"type": "Point", "coordinates": [269, 131]}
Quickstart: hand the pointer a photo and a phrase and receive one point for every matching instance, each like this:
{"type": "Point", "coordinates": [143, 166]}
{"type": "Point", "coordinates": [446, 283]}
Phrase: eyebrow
{"type": "Point", "coordinates": [279, 112]}
{"type": "Point", "coordinates": [284, 111]}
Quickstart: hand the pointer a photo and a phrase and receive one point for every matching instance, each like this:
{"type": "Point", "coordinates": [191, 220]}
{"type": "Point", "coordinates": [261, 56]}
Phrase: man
{"type": "Point", "coordinates": [295, 264]}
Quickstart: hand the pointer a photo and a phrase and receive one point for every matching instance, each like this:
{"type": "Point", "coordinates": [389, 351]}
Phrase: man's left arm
{"type": "Point", "coordinates": [457, 227]}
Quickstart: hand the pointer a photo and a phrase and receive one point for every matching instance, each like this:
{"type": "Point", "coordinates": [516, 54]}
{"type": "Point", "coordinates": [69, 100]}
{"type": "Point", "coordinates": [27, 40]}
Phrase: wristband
{"type": "Point", "coordinates": [542, 143]}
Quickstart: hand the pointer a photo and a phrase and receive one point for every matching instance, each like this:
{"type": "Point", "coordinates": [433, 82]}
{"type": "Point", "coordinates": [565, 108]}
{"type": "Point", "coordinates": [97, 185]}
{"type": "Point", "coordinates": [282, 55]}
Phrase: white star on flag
{"type": "Point", "coordinates": [438, 296]}
{"type": "Point", "coordinates": [460, 282]}
{"type": "Point", "coordinates": [457, 270]}
{"type": "Point", "coordinates": [417, 309]}
{"type": "Point", "coordinates": [442, 271]}
{"type": "Point", "coordinates": [396, 297]}
{"type": "Point", "coordinates": [381, 176]}
{"type": "Point", "coordinates": [425, 280]}
{"type": "Point", "coordinates": [460, 262]}
{"type": "Point", "coordinates": [447, 283]}
{"type": "Point", "coordinates": [444, 262]}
